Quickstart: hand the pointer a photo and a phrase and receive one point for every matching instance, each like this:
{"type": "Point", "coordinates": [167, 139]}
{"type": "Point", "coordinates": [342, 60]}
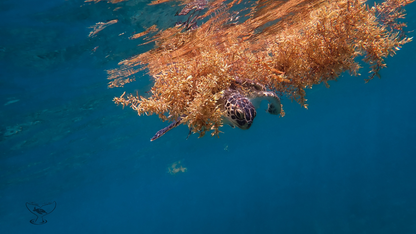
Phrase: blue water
{"type": "Point", "coordinates": [345, 165]}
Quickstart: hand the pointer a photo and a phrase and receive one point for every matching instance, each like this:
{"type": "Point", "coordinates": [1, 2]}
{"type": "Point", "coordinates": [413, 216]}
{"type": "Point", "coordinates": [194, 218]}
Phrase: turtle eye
{"type": "Point", "coordinates": [239, 114]}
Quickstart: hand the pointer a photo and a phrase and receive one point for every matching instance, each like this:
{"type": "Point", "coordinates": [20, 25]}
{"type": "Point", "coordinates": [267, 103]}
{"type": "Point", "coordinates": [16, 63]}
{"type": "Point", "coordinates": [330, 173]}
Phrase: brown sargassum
{"type": "Point", "coordinates": [287, 46]}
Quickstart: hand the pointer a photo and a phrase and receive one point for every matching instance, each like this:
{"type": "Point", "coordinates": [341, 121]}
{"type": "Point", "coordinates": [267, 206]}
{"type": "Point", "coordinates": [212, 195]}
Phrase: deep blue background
{"type": "Point", "coordinates": [346, 165]}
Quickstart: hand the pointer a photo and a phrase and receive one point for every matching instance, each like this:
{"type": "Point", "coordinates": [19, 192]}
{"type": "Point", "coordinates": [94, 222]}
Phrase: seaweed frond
{"type": "Point", "coordinates": [287, 46]}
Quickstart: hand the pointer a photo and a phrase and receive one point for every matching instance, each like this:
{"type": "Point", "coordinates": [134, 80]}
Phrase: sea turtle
{"type": "Point", "coordinates": [239, 102]}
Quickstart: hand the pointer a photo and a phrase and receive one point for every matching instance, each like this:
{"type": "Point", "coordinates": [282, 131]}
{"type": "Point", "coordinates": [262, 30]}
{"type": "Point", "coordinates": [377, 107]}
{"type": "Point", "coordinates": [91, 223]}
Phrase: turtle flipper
{"type": "Point", "coordinates": [162, 131]}
{"type": "Point", "coordinates": [274, 106]}
{"type": "Point", "coordinates": [272, 109]}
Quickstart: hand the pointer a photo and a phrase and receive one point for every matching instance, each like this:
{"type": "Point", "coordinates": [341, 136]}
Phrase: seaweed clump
{"type": "Point", "coordinates": [287, 46]}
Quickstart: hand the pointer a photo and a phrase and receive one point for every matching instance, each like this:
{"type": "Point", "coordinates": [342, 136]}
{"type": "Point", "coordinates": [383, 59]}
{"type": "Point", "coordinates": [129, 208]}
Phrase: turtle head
{"type": "Point", "coordinates": [240, 111]}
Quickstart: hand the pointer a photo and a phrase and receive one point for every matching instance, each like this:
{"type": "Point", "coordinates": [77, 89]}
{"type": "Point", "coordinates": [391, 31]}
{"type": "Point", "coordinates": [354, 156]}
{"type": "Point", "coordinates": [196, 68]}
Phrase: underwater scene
{"type": "Point", "coordinates": [208, 116]}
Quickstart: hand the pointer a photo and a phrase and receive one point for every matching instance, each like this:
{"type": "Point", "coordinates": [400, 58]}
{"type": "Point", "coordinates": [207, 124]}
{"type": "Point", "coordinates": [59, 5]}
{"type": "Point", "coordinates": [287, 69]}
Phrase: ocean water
{"type": "Point", "coordinates": [345, 165]}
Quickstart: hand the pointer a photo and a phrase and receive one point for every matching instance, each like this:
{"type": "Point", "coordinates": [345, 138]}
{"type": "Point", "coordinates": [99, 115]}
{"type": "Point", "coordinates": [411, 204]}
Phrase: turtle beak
{"type": "Point", "coordinates": [248, 125]}
{"type": "Point", "coordinates": [244, 125]}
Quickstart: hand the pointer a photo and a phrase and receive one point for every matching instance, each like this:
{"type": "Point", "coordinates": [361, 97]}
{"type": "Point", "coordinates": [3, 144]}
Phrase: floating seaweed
{"type": "Point", "coordinates": [98, 27]}
{"type": "Point", "coordinates": [283, 46]}
{"type": "Point", "coordinates": [176, 167]}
